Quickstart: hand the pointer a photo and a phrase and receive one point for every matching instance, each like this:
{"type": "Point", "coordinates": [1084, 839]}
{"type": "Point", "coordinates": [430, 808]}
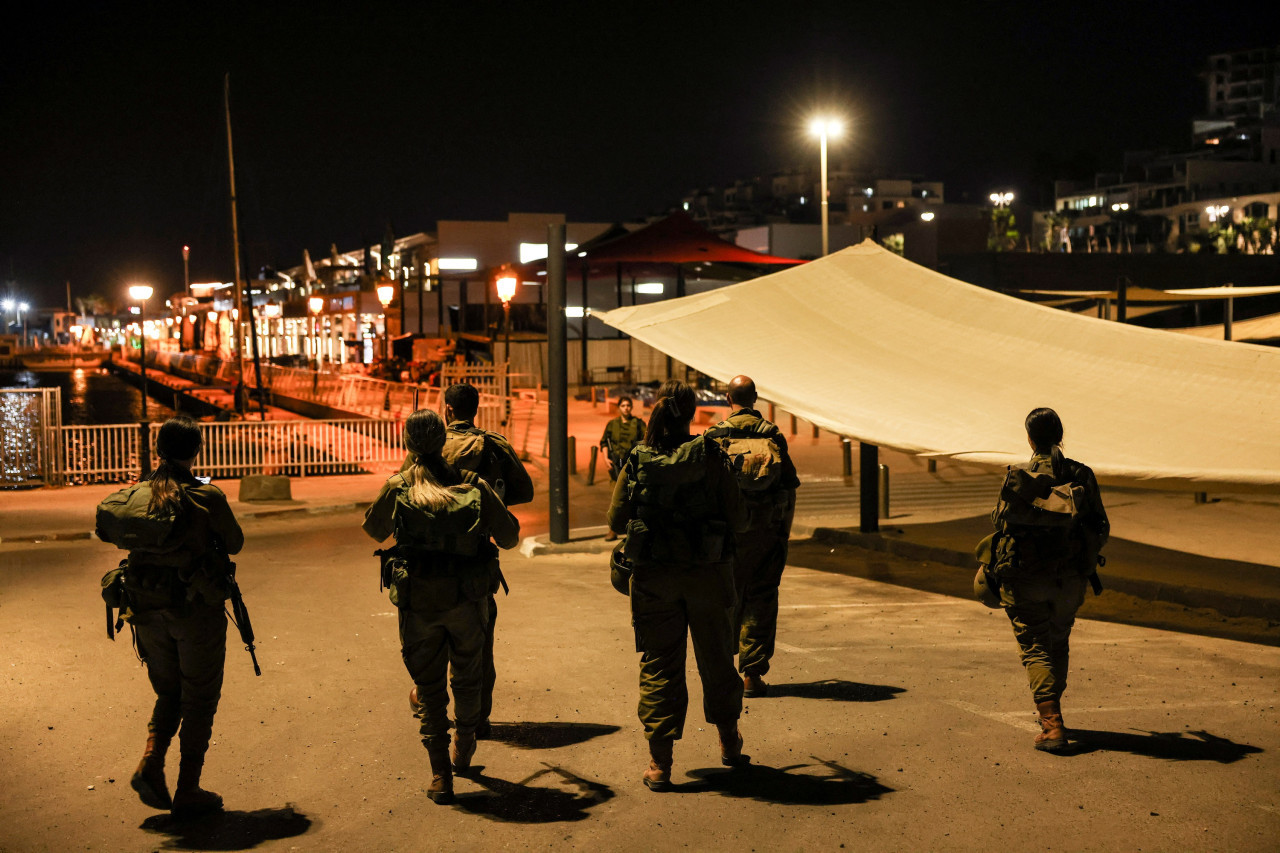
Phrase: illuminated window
{"type": "Point", "coordinates": [649, 287]}
{"type": "Point", "coordinates": [461, 264]}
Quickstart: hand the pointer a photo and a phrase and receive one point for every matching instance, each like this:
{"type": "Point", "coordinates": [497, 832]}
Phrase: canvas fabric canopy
{"type": "Point", "coordinates": [874, 347]}
{"type": "Point", "coordinates": [1146, 294]}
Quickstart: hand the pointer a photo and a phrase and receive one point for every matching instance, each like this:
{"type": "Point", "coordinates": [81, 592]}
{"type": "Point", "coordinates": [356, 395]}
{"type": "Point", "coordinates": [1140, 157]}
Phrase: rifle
{"type": "Point", "coordinates": [239, 613]}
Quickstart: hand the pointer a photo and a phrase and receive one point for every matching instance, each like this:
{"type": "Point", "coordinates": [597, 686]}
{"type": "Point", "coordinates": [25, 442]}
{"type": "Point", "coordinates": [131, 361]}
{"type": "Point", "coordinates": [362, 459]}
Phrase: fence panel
{"type": "Point", "coordinates": [100, 454]}
{"type": "Point", "coordinates": [29, 422]}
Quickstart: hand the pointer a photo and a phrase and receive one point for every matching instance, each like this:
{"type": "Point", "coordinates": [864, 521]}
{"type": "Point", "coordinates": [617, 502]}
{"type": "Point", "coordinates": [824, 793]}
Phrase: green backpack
{"type": "Point", "coordinates": [1040, 526]}
{"type": "Point", "coordinates": [676, 518]}
{"type": "Point", "coordinates": [455, 530]}
{"type": "Point", "coordinates": [754, 453]}
{"type": "Point", "coordinates": [124, 520]}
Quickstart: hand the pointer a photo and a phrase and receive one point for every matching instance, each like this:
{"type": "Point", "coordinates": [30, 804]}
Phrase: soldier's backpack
{"type": "Point", "coordinates": [754, 453]}
{"type": "Point", "coordinates": [676, 519]}
{"type": "Point", "coordinates": [487, 455]}
{"type": "Point", "coordinates": [124, 520]}
{"type": "Point", "coordinates": [1039, 516]}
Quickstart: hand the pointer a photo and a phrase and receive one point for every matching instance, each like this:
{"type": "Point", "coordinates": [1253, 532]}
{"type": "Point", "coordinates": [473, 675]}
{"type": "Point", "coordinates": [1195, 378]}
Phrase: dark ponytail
{"type": "Point", "coordinates": [1044, 428]}
{"type": "Point", "coordinates": [672, 412]}
{"type": "Point", "coordinates": [178, 440]}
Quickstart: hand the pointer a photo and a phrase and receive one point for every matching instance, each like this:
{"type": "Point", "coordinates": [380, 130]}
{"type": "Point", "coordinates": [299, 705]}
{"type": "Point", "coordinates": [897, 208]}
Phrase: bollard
{"type": "Point", "coordinates": [773, 414]}
{"type": "Point", "coordinates": [572, 454]}
{"type": "Point", "coordinates": [793, 424]}
{"type": "Point", "coordinates": [846, 452]}
{"type": "Point", "coordinates": [815, 432]}
{"type": "Point", "coordinates": [884, 490]}
{"type": "Point", "coordinates": [1202, 497]}
{"type": "Point", "coordinates": [868, 486]}
{"type": "Point", "coordinates": [933, 466]}
{"type": "Point", "coordinates": [591, 465]}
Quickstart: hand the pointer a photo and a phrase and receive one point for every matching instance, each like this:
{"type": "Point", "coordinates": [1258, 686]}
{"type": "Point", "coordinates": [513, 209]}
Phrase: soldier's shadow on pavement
{"type": "Point", "coordinates": [548, 735]}
{"type": "Point", "coordinates": [561, 796]}
{"type": "Point", "coordinates": [230, 830]}
{"type": "Point", "coordinates": [837, 690]}
{"type": "Point", "coordinates": [821, 783]}
{"type": "Point", "coordinates": [1173, 746]}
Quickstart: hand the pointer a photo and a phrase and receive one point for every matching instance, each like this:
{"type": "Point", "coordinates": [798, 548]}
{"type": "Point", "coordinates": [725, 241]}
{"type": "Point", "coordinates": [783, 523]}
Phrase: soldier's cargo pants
{"type": "Point", "coordinates": [185, 656]}
{"type": "Point", "coordinates": [667, 606]}
{"type": "Point", "coordinates": [446, 646]}
{"type": "Point", "coordinates": [1042, 611]}
{"type": "Point", "coordinates": [757, 572]}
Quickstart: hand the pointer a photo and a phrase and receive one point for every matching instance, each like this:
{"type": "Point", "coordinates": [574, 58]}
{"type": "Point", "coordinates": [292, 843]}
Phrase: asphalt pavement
{"type": "Point", "coordinates": [899, 719]}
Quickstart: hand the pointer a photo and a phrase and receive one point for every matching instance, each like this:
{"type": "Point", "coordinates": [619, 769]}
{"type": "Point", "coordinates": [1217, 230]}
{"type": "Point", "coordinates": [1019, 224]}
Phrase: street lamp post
{"type": "Point", "coordinates": [1001, 199]}
{"type": "Point", "coordinates": [22, 310]}
{"type": "Point", "coordinates": [316, 304]}
{"type": "Point", "coordinates": [386, 292]}
{"type": "Point", "coordinates": [506, 292]}
{"type": "Point", "coordinates": [822, 128]}
{"type": "Point", "coordinates": [140, 293]}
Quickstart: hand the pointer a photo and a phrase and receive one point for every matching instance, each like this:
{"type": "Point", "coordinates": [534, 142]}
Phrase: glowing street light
{"type": "Point", "coordinates": [1001, 199]}
{"type": "Point", "coordinates": [1119, 206]}
{"type": "Point", "coordinates": [140, 293]}
{"type": "Point", "coordinates": [1217, 211]}
{"type": "Point", "coordinates": [386, 292]}
{"type": "Point", "coordinates": [316, 304]}
{"type": "Point", "coordinates": [822, 127]}
{"type": "Point", "coordinates": [927, 216]}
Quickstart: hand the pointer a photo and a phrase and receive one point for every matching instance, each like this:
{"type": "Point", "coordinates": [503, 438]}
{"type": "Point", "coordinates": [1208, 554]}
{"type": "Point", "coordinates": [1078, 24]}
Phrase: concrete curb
{"type": "Point", "coordinates": [1185, 596]}
{"type": "Point", "coordinates": [582, 540]}
{"type": "Point", "coordinates": [324, 509]}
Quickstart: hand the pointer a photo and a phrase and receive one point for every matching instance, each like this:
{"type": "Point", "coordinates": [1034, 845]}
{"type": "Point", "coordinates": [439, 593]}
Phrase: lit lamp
{"type": "Point", "coordinates": [1001, 199]}
{"type": "Point", "coordinates": [822, 128]}
{"type": "Point", "coordinates": [316, 304]}
{"type": "Point", "coordinates": [386, 292]}
{"type": "Point", "coordinates": [140, 293]}
{"type": "Point", "coordinates": [507, 292]}
{"type": "Point", "coordinates": [272, 310]}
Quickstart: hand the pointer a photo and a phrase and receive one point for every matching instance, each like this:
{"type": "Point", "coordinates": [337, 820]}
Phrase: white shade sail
{"type": "Point", "coordinates": [874, 347]}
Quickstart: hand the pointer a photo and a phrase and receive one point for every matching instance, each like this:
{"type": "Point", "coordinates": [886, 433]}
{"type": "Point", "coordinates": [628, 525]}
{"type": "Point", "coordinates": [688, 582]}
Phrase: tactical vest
{"type": "Point", "coordinates": [442, 557]}
{"type": "Point", "coordinates": [1039, 526]}
{"type": "Point", "coordinates": [676, 518]}
{"type": "Point", "coordinates": [454, 530]}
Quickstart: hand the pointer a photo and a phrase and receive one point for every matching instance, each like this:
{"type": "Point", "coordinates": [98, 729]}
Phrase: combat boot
{"type": "Point", "coordinates": [440, 791]}
{"type": "Point", "coordinates": [1053, 734]}
{"type": "Point", "coordinates": [464, 747]}
{"type": "Point", "coordinates": [731, 745]}
{"type": "Point", "coordinates": [189, 799]}
{"type": "Point", "coordinates": [658, 776]}
{"type": "Point", "coordinates": [753, 686]}
{"type": "Point", "coordinates": [148, 780]}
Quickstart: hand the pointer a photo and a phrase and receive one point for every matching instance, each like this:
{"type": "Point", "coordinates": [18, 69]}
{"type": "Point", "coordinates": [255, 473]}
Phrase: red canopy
{"type": "Point", "coordinates": [677, 239]}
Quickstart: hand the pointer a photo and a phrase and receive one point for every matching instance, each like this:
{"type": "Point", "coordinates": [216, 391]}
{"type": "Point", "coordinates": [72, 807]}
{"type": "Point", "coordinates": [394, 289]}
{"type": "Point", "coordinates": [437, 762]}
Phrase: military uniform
{"type": "Point", "coordinates": [176, 610]}
{"type": "Point", "coordinates": [680, 512]}
{"type": "Point", "coordinates": [443, 598]}
{"type": "Point", "coordinates": [761, 552]}
{"type": "Point", "coordinates": [619, 437]}
{"type": "Point", "coordinates": [1041, 596]}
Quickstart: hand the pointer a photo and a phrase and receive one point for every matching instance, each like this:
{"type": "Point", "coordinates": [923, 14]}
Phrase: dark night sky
{"type": "Point", "coordinates": [113, 151]}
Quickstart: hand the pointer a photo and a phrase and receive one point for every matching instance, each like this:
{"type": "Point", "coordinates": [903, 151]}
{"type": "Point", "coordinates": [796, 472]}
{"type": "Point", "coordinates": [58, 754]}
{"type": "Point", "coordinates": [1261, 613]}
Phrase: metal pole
{"type": "Point", "coordinates": [235, 254]}
{"type": "Point", "coordinates": [584, 378]}
{"type": "Point", "coordinates": [1122, 298]}
{"type": "Point", "coordinates": [186, 268]}
{"type": "Point", "coordinates": [869, 486]}
{"type": "Point", "coordinates": [822, 192]}
{"type": "Point", "coordinates": [142, 312]}
{"type": "Point", "coordinates": [884, 490]}
{"type": "Point", "coordinates": [558, 385]}
{"type": "Point", "coordinates": [1228, 315]}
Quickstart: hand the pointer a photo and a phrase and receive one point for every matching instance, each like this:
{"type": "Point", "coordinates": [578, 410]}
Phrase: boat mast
{"type": "Point", "coordinates": [235, 253]}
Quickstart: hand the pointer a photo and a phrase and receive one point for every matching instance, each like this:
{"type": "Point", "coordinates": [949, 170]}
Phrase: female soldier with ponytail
{"type": "Point", "coordinates": [1045, 556]}
{"type": "Point", "coordinates": [679, 506]}
{"type": "Point", "coordinates": [445, 569]}
{"type": "Point", "coordinates": [176, 596]}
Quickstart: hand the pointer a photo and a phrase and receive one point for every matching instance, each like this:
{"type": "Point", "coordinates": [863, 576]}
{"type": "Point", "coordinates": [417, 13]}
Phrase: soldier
{"type": "Point", "coordinates": [620, 435]}
{"type": "Point", "coordinates": [768, 480]}
{"type": "Point", "coordinates": [493, 459]}
{"type": "Point", "coordinates": [679, 506]}
{"type": "Point", "coordinates": [442, 573]}
{"type": "Point", "coordinates": [171, 523]}
{"type": "Point", "coordinates": [1046, 547]}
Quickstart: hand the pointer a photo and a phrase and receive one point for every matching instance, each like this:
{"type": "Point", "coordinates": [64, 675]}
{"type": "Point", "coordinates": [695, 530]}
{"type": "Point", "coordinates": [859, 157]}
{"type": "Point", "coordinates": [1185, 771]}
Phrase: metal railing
{"type": "Point", "coordinates": [112, 453]}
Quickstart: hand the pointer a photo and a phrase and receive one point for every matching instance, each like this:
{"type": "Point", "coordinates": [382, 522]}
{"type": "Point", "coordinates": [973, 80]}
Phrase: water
{"type": "Point", "coordinates": [89, 397]}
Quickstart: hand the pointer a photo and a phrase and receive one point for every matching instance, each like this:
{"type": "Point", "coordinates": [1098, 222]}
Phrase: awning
{"type": "Point", "coordinates": [871, 346]}
{"type": "Point", "coordinates": [1147, 294]}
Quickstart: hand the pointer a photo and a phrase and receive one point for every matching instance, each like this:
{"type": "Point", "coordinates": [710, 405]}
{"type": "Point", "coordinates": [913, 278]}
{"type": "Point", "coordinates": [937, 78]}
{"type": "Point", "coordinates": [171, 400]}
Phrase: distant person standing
{"type": "Point", "coordinates": [620, 435]}
{"type": "Point", "coordinates": [679, 505]}
{"type": "Point", "coordinates": [758, 453]}
{"type": "Point", "coordinates": [1050, 527]}
{"type": "Point", "coordinates": [441, 576]}
{"type": "Point", "coordinates": [491, 457]}
{"type": "Point", "coordinates": [174, 587]}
